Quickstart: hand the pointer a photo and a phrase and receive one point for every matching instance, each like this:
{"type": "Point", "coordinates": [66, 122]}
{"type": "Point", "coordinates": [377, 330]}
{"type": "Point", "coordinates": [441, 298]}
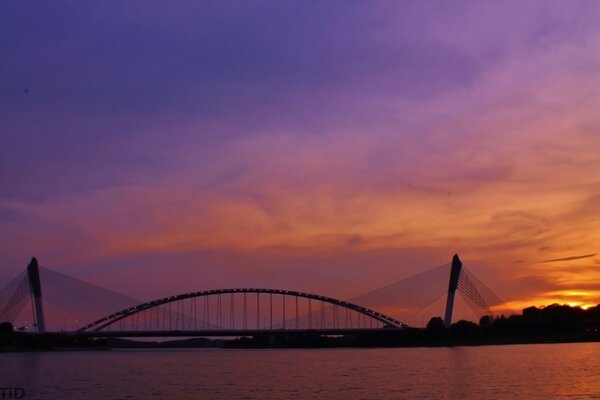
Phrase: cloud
{"type": "Point", "coordinates": [304, 129]}
{"type": "Point", "coordinates": [571, 258]}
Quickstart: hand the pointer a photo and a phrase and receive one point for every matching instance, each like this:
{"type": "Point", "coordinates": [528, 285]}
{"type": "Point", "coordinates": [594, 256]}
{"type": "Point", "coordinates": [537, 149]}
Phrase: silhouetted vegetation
{"type": "Point", "coordinates": [553, 320]}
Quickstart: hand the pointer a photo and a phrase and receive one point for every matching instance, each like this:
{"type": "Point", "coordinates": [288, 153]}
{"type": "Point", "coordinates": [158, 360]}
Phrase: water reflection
{"type": "Point", "coordinates": [499, 372]}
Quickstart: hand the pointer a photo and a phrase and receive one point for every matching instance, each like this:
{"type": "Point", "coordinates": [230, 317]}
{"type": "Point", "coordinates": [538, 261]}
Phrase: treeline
{"type": "Point", "coordinates": [553, 322]}
{"type": "Point", "coordinates": [553, 319]}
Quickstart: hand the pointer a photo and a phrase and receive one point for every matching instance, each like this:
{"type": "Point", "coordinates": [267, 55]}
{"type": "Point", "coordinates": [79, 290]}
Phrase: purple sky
{"type": "Point", "coordinates": [208, 144]}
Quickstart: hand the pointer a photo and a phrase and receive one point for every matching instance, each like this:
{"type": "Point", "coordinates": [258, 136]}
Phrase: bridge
{"type": "Point", "coordinates": [244, 311]}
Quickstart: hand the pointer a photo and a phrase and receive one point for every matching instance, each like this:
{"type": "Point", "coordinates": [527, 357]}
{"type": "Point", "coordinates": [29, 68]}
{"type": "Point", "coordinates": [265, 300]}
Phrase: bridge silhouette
{"type": "Point", "coordinates": [243, 311]}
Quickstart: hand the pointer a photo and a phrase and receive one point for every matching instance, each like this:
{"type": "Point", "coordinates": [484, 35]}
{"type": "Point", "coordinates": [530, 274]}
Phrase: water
{"type": "Point", "coordinates": [556, 371]}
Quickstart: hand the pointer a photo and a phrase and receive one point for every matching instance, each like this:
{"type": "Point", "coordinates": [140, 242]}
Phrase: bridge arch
{"type": "Point", "coordinates": [111, 319]}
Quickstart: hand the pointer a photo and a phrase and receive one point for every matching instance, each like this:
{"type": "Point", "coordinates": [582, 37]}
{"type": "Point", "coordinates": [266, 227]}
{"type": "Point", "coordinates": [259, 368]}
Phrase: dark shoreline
{"type": "Point", "coordinates": [28, 342]}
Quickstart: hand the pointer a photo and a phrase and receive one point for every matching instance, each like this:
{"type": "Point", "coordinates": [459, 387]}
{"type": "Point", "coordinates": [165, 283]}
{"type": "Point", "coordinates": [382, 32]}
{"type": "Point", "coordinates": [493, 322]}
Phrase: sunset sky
{"type": "Point", "coordinates": [333, 147]}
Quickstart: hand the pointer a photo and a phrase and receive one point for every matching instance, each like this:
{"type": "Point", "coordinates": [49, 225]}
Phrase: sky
{"type": "Point", "coordinates": [333, 147]}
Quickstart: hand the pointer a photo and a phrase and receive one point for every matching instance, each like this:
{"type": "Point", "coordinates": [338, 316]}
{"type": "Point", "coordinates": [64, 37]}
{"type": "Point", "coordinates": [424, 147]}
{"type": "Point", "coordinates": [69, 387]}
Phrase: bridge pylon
{"type": "Point", "coordinates": [453, 284]}
{"type": "Point", "coordinates": [33, 274]}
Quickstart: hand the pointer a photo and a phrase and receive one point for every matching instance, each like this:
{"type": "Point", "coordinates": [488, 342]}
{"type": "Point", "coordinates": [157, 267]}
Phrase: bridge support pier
{"type": "Point", "coordinates": [454, 275]}
{"type": "Point", "coordinates": [33, 273]}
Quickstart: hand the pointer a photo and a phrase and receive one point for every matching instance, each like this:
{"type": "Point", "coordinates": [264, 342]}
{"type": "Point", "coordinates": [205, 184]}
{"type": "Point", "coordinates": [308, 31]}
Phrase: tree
{"type": "Point", "coordinates": [485, 321]}
{"type": "Point", "coordinates": [436, 324]}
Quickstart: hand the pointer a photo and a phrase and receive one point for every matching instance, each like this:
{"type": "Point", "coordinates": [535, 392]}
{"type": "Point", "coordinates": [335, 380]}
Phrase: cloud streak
{"type": "Point", "coordinates": [571, 258]}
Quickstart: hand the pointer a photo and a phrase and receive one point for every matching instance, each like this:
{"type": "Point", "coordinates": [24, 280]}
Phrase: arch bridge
{"type": "Point", "coordinates": [233, 311]}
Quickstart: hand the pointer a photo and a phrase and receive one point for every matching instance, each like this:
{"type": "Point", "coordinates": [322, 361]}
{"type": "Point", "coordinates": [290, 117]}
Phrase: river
{"type": "Point", "coordinates": [543, 371]}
